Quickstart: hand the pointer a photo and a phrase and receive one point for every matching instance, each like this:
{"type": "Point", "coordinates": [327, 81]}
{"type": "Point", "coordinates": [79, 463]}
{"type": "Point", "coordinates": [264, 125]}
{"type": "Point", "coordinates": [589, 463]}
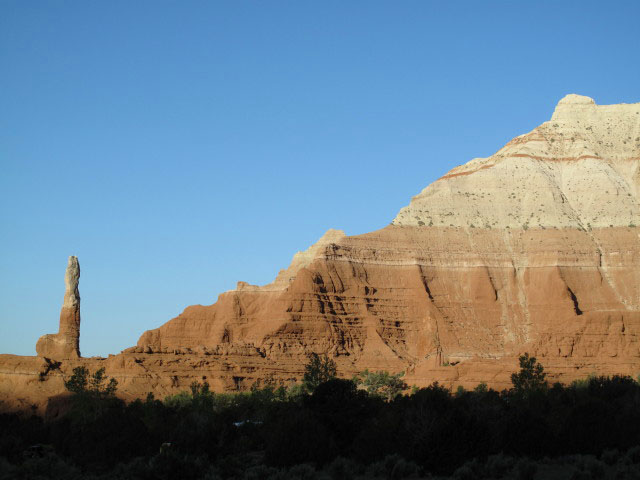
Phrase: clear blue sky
{"type": "Point", "coordinates": [177, 147]}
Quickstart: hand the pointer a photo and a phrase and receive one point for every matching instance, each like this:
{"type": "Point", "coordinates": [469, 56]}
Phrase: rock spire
{"type": "Point", "coordinates": [65, 343]}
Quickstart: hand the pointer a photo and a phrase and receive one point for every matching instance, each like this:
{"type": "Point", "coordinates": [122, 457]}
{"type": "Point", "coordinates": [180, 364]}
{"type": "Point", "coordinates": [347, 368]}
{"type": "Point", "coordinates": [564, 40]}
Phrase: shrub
{"type": "Point", "coordinates": [170, 465]}
{"type": "Point", "coordinates": [531, 377]}
{"type": "Point", "coordinates": [499, 465]}
{"type": "Point", "coordinates": [49, 466]}
{"type": "Point", "coordinates": [179, 400]}
{"type": "Point", "coordinates": [634, 454]}
{"type": "Point", "coordinates": [526, 469]}
{"type": "Point", "coordinates": [296, 391]}
{"type": "Point", "coordinates": [481, 388]}
{"type": "Point", "coordinates": [381, 384]}
{"type": "Point", "coordinates": [295, 436]}
{"type": "Point", "coordinates": [342, 469]}
{"type": "Point", "coordinates": [81, 383]}
{"type": "Point", "coordinates": [302, 472]}
{"type": "Point", "coordinates": [393, 467]}
{"type": "Point", "coordinates": [320, 369]}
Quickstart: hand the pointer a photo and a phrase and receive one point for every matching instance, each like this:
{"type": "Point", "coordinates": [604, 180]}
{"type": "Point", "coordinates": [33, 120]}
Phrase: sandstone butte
{"type": "Point", "coordinates": [533, 249]}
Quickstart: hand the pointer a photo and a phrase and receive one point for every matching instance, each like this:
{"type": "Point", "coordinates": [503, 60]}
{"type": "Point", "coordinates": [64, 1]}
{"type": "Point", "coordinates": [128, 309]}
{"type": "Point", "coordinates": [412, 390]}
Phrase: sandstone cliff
{"type": "Point", "coordinates": [534, 249]}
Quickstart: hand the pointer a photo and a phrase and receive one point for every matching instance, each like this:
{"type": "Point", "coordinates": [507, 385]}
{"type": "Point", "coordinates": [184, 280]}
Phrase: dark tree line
{"type": "Point", "coordinates": [323, 423]}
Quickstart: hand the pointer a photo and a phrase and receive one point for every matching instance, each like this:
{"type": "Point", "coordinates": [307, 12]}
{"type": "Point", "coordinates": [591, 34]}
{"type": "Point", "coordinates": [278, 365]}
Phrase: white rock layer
{"type": "Point", "coordinates": [578, 170]}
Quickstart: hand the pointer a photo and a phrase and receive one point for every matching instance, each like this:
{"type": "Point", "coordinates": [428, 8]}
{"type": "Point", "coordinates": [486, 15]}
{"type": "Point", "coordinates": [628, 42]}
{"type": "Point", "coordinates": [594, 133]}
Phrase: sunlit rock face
{"type": "Point", "coordinates": [65, 343]}
{"type": "Point", "coordinates": [534, 249]}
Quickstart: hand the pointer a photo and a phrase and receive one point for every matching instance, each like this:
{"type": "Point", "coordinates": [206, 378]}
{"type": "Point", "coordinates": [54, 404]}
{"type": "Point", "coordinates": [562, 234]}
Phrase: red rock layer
{"type": "Point", "coordinates": [415, 298]}
{"type": "Point", "coordinates": [534, 249]}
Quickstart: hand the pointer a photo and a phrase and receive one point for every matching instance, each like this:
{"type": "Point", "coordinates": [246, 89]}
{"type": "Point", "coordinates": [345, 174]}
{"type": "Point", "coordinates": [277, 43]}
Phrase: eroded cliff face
{"type": "Point", "coordinates": [534, 249]}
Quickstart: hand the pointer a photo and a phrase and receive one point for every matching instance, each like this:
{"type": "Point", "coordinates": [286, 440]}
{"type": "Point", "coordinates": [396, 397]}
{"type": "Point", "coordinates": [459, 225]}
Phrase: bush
{"type": "Point", "coordinates": [320, 369]}
{"type": "Point", "coordinates": [526, 469]}
{"type": "Point", "coordinates": [301, 472]}
{"type": "Point", "coordinates": [481, 388]}
{"type": "Point", "coordinates": [295, 436]}
{"type": "Point", "coordinates": [179, 400]}
{"type": "Point", "coordinates": [260, 472]}
{"type": "Point", "coordinates": [381, 384]}
{"type": "Point", "coordinates": [268, 434]}
{"type": "Point", "coordinates": [51, 466]}
{"type": "Point", "coordinates": [81, 383]}
{"type": "Point", "coordinates": [464, 473]}
{"type": "Point", "coordinates": [393, 467]}
{"type": "Point", "coordinates": [342, 469]}
{"type": "Point", "coordinates": [530, 378]}
{"type": "Point", "coordinates": [171, 465]}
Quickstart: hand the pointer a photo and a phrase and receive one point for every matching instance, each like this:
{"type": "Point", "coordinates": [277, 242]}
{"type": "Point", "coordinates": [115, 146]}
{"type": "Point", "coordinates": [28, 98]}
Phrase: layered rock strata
{"type": "Point", "coordinates": [534, 249]}
{"type": "Point", "coordinates": [65, 343]}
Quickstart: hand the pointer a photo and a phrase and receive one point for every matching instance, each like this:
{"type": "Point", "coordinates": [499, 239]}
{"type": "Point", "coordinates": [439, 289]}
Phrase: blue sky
{"type": "Point", "coordinates": [177, 147]}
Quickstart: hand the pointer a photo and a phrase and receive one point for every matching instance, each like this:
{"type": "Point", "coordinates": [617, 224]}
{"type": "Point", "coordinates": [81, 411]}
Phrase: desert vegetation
{"type": "Point", "coordinates": [371, 426]}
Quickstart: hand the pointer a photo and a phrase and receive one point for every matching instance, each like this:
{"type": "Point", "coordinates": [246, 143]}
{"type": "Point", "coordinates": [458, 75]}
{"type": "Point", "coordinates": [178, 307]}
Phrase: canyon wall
{"type": "Point", "coordinates": [534, 249]}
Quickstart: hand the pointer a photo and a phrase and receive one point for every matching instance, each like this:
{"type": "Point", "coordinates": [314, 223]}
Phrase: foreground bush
{"type": "Point", "coordinates": [337, 431]}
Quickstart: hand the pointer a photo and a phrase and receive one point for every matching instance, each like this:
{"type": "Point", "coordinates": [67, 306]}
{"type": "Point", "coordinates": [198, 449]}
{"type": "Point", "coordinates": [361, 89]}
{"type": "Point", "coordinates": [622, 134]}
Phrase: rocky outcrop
{"type": "Point", "coordinates": [533, 249]}
{"type": "Point", "coordinates": [65, 343]}
{"type": "Point", "coordinates": [578, 171]}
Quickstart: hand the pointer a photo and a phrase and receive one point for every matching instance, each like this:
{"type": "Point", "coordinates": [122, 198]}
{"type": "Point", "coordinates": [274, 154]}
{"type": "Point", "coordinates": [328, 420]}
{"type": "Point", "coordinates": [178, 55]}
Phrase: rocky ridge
{"type": "Point", "coordinates": [532, 249]}
{"type": "Point", "coordinates": [579, 170]}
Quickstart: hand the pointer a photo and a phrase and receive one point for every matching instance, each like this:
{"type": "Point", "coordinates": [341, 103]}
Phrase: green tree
{"type": "Point", "coordinates": [381, 384]}
{"type": "Point", "coordinates": [320, 369]}
{"type": "Point", "coordinates": [530, 378]}
{"type": "Point", "coordinates": [481, 388]}
{"type": "Point", "coordinates": [295, 391]}
{"type": "Point", "coordinates": [83, 383]}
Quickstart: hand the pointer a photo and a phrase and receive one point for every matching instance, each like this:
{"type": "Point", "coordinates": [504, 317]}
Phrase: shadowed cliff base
{"type": "Point", "coordinates": [332, 428]}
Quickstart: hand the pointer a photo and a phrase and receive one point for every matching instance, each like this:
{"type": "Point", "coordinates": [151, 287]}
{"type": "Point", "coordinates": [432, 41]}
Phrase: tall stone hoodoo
{"type": "Point", "coordinates": [65, 343]}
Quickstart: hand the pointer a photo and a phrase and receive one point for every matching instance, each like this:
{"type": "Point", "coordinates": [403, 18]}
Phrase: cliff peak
{"type": "Point", "coordinates": [579, 170]}
{"type": "Point", "coordinates": [574, 99]}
